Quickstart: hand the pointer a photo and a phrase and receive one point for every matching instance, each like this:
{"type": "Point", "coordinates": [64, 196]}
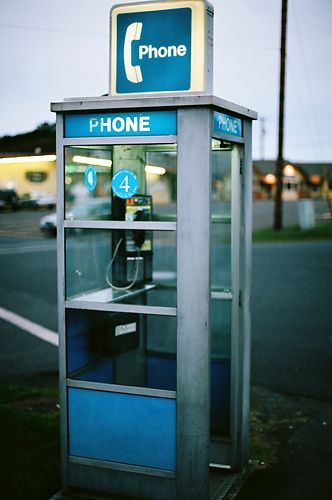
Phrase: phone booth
{"type": "Point", "coordinates": [154, 258]}
{"type": "Point", "coordinates": [154, 235]}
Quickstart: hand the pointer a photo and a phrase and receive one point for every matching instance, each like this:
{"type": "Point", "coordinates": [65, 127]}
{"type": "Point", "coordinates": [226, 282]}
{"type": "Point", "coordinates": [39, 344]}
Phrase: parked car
{"type": "Point", "coordinates": [95, 208]}
{"type": "Point", "coordinates": [47, 225]}
{"type": "Point", "coordinates": [27, 202]}
{"type": "Point", "coordinates": [8, 199]}
{"type": "Point", "coordinates": [44, 200]}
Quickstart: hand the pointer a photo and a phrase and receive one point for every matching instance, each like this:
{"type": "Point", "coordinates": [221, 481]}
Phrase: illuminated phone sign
{"type": "Point", "coordinates": [158, 47]}
{"type": "Point", "coordinates": [121, 124]}
{"type": "Point", "coordinates": [226, 124]}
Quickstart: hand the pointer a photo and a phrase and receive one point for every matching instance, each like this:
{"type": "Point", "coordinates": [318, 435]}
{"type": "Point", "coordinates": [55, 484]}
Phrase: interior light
{"type": "Point", "coordinates": [315, 179]}
{"type": "Point", "coordinates": [151, 169]}
{"type": "Point", "coordinates": [28, 159]}
{"type": "Point", "coordinates": [289, 171]}
{"type": "Point", "coordinates": [89, 160]}
{"type": "Point", "coordinates": [270, 179]}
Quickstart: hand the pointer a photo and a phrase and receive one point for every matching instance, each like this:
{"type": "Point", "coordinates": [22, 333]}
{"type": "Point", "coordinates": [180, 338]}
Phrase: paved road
{"type": "Point", "coordinates": [292, 318]}
{"type": "Point", "coordinates": [291, 346]}
{"type": "Point", "coordinates": [27, 288]}
{"type": "Point", "coordinates": [291, 313]}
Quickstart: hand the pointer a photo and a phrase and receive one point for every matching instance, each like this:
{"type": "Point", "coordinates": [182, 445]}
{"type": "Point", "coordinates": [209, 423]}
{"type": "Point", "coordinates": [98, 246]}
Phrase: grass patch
{"type": "Point", "coordinates": [29, 442]}
{"type": "Point", "coordinates": [273, 418]}
{"type": "Point", "coordinates": [293, 233]}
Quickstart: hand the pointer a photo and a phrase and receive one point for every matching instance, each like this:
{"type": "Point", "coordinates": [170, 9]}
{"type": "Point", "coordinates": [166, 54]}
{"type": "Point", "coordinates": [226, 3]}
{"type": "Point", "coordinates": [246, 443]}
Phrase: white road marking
{"type": "Point", "coordinates": [15, 249]}
{"type": "Point", "coordinates": [30, 327]}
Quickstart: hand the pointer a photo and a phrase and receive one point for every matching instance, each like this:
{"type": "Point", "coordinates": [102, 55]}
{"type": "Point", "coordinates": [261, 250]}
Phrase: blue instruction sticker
{"type": "Point", "coordinates": [90, 178]}
{"type": "Point", "coordinates": [125, 183]}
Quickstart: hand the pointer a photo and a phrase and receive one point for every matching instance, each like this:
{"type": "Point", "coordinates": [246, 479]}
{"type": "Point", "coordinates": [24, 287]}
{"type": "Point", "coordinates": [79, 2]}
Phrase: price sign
{"type": "Point", "coordinates": [125, 183]}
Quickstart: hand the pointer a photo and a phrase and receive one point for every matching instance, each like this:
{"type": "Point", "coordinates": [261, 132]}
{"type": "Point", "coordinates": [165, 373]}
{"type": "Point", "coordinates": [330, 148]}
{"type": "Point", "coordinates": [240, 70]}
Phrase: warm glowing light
{"type": "Point", "coordinates": [269, 179]}
{"type": "Point", "coordinates": [151, 169]}
{"type": "Point", "coordinates": [315, 179]}
{"type": "Point", "coordinates": [289, 171]}
{"type": "Point", "coordinates": [28, 159]}
{"type": "Point", "coordinates": [88, 160]}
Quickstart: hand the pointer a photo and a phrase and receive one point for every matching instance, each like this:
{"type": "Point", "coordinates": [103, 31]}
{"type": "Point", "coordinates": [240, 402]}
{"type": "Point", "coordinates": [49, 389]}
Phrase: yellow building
{"type": "Point", "coordinates": [29, 174]}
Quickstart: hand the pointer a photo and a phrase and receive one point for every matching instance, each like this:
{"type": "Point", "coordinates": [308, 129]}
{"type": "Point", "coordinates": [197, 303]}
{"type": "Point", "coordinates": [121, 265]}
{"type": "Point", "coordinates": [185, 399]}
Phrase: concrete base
{"type": "Point", "coordinates": [224, 485]}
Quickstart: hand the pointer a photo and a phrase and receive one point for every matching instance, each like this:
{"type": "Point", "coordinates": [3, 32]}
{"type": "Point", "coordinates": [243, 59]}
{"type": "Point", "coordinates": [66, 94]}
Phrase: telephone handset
{"type": "Point", "coordinates": [131, 249]}
{"type": "Point", "coordinates": [133, 33]}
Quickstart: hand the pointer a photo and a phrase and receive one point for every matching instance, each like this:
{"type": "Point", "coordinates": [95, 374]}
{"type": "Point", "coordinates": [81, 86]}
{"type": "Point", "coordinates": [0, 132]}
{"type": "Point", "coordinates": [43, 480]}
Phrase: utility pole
{"type": "Point", "coordinates": [280, 161]}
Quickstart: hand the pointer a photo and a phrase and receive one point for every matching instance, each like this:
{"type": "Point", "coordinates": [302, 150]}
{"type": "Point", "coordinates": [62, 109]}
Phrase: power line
{"type": "Point", "coordinates": [306, 75]}
{"type": "Point", "coordinates": [249, 47]}
{"type": "Point", "coordinates": [310, 128]}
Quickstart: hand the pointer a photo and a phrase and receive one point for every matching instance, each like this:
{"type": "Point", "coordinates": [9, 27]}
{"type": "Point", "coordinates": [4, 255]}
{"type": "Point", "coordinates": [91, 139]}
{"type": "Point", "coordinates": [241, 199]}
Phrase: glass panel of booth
{"type": "Point", "coordinates": [92, 171]}
{"type": "Point", "coordinates": [128, 349]}
{"type": "Point", "coordinates": [123, 266]}
{"type": "Point", "coordinates": [221, 206]}
{"type": "Point", "coordinates": [224, 166]}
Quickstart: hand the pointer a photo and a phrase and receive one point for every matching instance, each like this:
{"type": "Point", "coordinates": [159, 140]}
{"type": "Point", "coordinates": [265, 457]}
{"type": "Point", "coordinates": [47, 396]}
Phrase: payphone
{"type": "Point", "coordinates": [132, 251]}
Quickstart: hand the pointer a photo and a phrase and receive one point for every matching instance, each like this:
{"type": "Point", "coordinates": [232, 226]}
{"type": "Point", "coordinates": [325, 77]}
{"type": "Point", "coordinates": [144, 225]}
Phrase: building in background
{"type": "Point", "coordinates": [29, 175]}
{"type": "Point", "coordinates": [300, 180]}
{"type": "Point", "coordinates": [28, 165]}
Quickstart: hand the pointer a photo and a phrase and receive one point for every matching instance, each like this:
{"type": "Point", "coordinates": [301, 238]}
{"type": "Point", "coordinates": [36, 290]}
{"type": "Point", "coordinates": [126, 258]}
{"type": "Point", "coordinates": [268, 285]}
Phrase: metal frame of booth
{"type": "Point", "coordinates": [192, 396]}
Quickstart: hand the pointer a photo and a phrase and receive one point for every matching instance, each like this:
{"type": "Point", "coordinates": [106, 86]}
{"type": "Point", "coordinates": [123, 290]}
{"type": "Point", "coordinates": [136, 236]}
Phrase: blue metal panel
{"type": "Point", "coordinates": [161, 373]}
{"type": "Point", "coordinates": [125, 428]}
{"type": "Point", "coordinates": [226, 124]}
{"type": "Point", "coordinates": [144, 123]}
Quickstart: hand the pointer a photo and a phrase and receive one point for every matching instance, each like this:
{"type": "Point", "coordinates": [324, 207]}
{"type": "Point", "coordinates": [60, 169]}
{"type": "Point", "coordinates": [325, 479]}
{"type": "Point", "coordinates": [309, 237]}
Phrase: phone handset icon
{"type": "Point", "coordinates": [133, 73]}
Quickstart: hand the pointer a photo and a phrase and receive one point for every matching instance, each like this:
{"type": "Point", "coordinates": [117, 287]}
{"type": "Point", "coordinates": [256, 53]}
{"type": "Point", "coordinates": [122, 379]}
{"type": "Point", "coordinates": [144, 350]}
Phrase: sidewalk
{"type": "Point", "coordinates": [294, 435]}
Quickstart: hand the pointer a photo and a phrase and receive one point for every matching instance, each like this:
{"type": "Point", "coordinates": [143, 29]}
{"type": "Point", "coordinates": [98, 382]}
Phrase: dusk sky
{"type": "Point", "coordinates": [50, 50]}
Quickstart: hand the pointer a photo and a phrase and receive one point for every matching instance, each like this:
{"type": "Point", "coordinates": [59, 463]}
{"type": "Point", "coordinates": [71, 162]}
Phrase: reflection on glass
{"type": "Point", "coordinates": [89, 171]}
{"type": "Point", "coordinates": [221, 179]}
{"type": "Point", "coordinates": [88, 174]}
{"type": "Point", "coordinates": [161, 182]}
{"type": "Point", "coordinates": [129, 266]}
{"type": "Point", "coordinates": [221, 256]}
{"type": "Point", "coordinates": [221, 329]}
{"type": "Point", "coordinates": [121, 348]}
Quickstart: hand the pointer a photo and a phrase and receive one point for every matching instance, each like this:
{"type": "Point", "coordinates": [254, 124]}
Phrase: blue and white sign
{"type": "Point", "coordinates": [90, 178]}
{"type": "Point", "coordinates": [158, 47]}
{"type": "Point", "coordinates": [226, 124]}
{"type": "Point", "coordinates": [121, 124]}
{"type": "Point", "coordinates": [125, 183]}
{"type": "Point", "coordinates": [154, 51]}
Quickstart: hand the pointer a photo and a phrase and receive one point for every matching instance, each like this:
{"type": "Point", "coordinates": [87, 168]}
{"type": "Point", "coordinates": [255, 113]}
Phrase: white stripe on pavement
{"type": "Point", "coordinates": [27, 249]}
{"type": "Point", "coordinates": [30, 327]}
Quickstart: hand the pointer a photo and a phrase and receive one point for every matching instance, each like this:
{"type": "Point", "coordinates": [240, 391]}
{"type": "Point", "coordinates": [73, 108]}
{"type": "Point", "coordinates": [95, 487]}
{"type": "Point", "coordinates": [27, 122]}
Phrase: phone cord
{"type": "Point", "coordinates": [128, 287]}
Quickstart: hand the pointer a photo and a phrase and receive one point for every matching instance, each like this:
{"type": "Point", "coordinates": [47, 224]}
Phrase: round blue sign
{"type": "Point", "coordinates": [90, 178]}
{"type": "Point", "coordinates": [125, 183]}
